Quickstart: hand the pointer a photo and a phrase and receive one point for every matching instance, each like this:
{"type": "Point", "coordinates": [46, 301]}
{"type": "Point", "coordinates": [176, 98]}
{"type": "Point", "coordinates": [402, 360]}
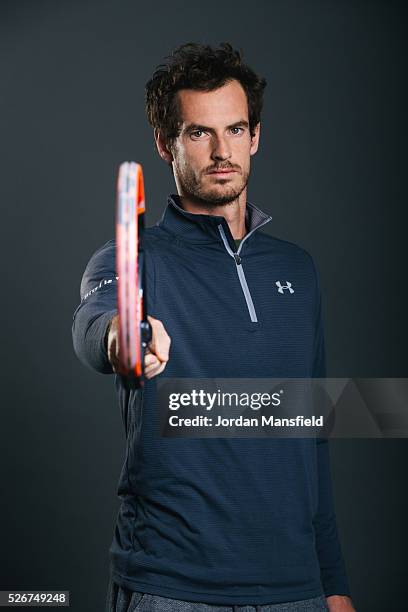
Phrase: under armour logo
{"type": "Point", "coordinates": [282, 287]}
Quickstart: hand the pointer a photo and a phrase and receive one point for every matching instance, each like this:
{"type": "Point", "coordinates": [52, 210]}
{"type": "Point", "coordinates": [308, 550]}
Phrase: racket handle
{"type": "Point", "coordinates": [146, 332]}
{"type": "Point", "coordinates": [130, 381]}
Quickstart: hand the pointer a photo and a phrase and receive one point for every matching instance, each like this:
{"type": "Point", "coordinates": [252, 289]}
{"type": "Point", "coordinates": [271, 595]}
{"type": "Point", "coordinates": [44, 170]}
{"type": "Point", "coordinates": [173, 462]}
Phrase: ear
{"type": "Point", "coordinates": [162, 147]}
{"type": "Point", "coordinates": [255, 139]}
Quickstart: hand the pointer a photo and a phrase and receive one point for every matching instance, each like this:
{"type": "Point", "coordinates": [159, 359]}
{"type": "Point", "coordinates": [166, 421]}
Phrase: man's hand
{"type": "Point", "coordinates": [156, 354]}
{"type": "Point", "coordinates": [157, 351]}
{"type": "Point", "coordinates": [340, 603]}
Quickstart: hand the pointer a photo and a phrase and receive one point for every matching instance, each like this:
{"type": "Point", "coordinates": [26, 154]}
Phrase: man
{"type": "Point", "coordinates": [216, 524]}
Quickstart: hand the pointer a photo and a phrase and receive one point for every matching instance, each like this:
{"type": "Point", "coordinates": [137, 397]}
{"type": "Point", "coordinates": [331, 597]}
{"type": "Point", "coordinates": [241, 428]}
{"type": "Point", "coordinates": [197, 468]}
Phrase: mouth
{"type": "Point", "coordinates": [222, 172]}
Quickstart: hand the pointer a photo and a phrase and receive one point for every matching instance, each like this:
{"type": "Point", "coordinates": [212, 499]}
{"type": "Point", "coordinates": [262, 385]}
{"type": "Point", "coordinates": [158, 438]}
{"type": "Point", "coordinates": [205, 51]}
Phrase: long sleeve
{"type": "Point", "coordinates": [332, 566]}
{"type": "Point", "coordinates": [98, 305]}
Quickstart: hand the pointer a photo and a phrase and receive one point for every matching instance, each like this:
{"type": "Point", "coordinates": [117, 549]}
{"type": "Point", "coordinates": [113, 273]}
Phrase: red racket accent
{"type": "Point", "coordinates": [130, 208]}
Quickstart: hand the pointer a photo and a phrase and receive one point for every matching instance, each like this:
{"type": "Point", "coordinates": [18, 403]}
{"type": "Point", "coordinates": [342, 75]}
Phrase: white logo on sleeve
{"type": "Point", "coordinates": [281, 287]}
{"type": "Point", "coordinates": [104, 281]}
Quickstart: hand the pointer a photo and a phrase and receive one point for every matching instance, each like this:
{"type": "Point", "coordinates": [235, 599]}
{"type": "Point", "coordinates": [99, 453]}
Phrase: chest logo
{"type": "Point", "coordinates": [281, 287]}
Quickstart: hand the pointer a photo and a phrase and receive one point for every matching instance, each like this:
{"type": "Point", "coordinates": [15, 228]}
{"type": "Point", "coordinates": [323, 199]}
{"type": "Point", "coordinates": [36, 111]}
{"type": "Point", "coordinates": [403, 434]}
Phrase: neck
{"type": "Point", "coordinates": [233, 212]}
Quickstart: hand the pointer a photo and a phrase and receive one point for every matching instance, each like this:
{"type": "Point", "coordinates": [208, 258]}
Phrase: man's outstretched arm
{"type": "Point", "coordinates": [95, 330]}
{"type": "Point", "coordinates": [98, 305]}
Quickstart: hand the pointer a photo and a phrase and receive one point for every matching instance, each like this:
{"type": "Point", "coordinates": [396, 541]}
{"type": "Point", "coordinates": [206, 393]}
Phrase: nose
{"type": "Point", "coordinates": [221, 150]}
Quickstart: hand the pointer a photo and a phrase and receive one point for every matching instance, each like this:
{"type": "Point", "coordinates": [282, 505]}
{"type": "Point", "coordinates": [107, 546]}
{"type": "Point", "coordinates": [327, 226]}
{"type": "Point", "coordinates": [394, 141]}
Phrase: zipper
{"type": "Point", "coordinates": [249, 233]}
{"type": "Point", "coordinates": [240, 270]}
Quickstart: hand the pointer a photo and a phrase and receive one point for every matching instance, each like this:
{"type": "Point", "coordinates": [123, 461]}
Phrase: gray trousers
{"type": "Point", "coordinates": [120, 599]}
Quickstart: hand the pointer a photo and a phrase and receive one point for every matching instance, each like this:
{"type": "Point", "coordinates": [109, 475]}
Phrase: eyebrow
{"type": "Point", "coordinates": [197, 126]}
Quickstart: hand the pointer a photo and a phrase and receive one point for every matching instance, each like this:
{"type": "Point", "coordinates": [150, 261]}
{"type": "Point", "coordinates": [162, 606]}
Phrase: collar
{"type": "Point", "coordinates": [194, 227]}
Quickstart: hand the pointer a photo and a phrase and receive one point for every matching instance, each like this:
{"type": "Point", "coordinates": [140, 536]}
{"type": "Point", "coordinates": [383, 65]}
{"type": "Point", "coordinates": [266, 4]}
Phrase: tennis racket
{"type": "Point", "coordinates": [134, 329]}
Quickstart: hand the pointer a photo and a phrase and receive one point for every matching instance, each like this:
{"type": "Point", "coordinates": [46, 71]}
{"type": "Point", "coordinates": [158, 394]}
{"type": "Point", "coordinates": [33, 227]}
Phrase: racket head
{"type": "Point", "coordinates": [130, 208]}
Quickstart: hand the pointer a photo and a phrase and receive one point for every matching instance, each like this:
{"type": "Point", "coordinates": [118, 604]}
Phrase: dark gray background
{"type": "Point", "coordinates": [331, 171]}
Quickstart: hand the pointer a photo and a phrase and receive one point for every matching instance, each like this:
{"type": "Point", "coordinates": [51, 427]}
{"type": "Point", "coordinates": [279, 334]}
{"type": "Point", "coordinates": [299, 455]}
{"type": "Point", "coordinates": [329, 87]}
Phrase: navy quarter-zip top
{"type": "Point", "coordinates": [219, 520]}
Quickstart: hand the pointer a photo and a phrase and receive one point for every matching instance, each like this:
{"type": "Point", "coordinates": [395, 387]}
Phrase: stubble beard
{"type": "Point", "coordinates": [210, 197]}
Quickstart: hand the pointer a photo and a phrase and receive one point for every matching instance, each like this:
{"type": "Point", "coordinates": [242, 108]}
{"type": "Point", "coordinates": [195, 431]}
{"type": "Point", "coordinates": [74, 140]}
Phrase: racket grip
{"type": "Point", "coordinates": [146, 332]}
{"type": "Point", "coordinates": [131, 381]}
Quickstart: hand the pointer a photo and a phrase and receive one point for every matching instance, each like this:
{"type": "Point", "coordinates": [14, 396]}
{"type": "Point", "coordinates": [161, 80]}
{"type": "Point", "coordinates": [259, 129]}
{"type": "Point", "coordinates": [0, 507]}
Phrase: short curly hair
{"type": "Point", "coordinates": [203, 68]}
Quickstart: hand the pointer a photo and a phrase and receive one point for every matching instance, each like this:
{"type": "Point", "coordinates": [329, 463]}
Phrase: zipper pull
{"type": "Point", "coordinates": [237, 259]}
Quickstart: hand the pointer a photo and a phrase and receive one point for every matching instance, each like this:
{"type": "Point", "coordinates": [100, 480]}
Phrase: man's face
{"type": "Point", "coordinates": [214, 136]}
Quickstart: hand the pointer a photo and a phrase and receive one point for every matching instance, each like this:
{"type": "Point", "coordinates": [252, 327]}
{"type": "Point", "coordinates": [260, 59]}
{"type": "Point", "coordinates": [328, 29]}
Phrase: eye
{"type": "Point", "coordinates": [197, 133]}
{"type": "Point", "coordinates": [237, 130]}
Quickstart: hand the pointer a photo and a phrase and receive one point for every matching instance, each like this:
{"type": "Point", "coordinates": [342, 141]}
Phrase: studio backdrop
{"type": "Point", "coordinates": [330, 169]}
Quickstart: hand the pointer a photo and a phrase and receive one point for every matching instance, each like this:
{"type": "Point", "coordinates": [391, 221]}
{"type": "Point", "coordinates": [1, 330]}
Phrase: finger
{"type": "Point", "coordinates": [111, 348]}
{"type": "Point", "coordinates": [115, 359]}
{"type": "Point", "coordinates": [112, 354]}
{"type": "Point", "coordinates": [161, 368]}
{"type": "Point", "coordinates": [156, 371]}
{"type": "Point", "coordinates": [153, 366]}
{"type": "Point", "coordinates": [151, 359]}
{"type": "Point", "coordinates": [150, 375]}
{"type": "Point", "coordinates": [160, 343]}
